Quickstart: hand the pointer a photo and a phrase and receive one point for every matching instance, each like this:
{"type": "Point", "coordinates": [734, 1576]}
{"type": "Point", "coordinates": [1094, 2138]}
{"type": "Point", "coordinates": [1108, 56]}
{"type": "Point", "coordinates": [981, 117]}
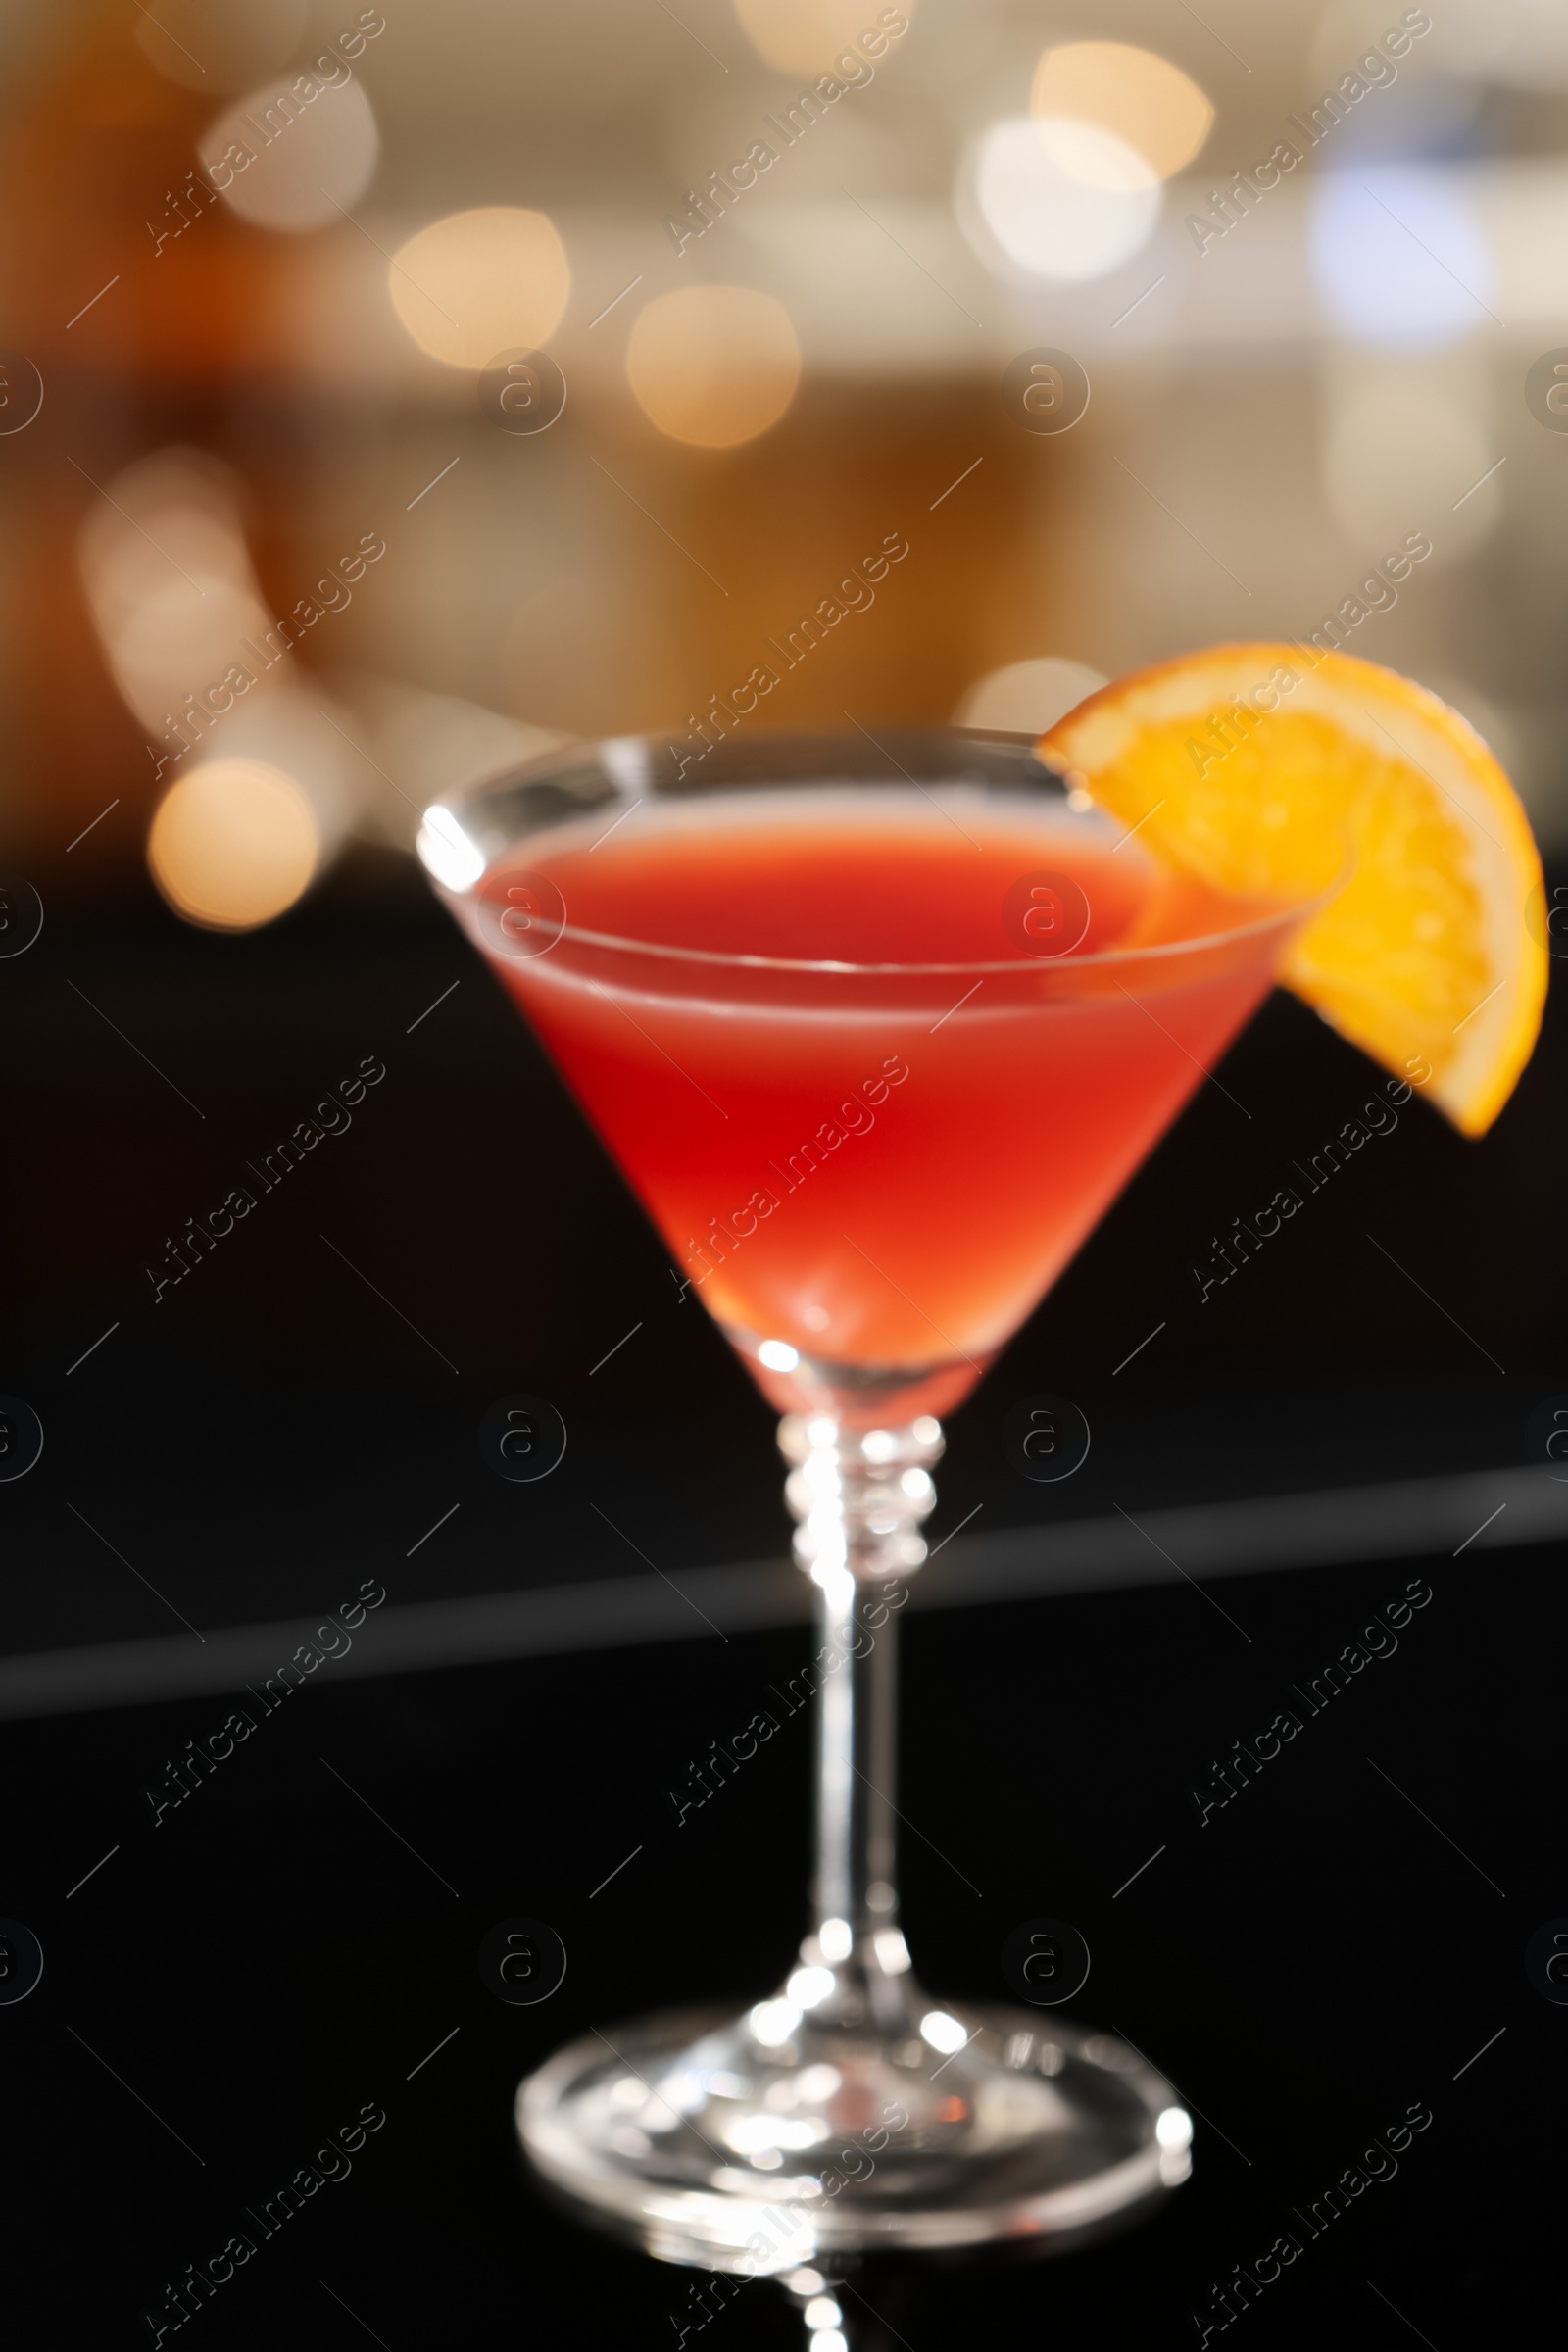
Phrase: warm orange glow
{"type": "Point", "coordinates": [477, 283]}
{"type": "Point", "coordinates": [233, 844]}
{"type": "Point", "coordinates": [1116, 117]}
{"type": "Point", "coordinates": [807, 36]}
{"type": "Point", "coordinates": [714, 364]}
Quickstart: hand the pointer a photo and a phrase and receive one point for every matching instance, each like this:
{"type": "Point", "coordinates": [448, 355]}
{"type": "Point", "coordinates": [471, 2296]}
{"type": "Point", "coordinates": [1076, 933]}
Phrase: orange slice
{"type": "Point", "coordinates": [1260, 766]}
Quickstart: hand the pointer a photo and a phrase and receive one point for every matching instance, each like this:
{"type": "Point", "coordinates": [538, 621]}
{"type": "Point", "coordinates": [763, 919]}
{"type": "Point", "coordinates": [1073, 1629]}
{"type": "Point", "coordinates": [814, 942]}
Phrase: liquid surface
{"type": "Point", "coordinates": [878, 1171]}
{"type": "Point", "coordinates": [866, 880]}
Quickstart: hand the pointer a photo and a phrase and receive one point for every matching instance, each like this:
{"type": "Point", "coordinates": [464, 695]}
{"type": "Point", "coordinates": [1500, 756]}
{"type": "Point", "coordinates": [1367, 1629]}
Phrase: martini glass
{"type": "Point", "coordinates": [876, 1032]}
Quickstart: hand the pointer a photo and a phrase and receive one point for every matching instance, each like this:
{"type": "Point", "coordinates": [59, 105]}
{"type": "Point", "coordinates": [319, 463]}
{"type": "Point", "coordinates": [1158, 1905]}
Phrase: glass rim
{"type": "Point", "coordinates": [1018, 758]}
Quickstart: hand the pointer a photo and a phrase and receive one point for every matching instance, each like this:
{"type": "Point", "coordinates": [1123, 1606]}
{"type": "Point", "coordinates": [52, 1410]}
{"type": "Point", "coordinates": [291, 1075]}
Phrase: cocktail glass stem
{"type": "Point", "coordinates": [850, 2109]}
{"type": "Point", "coordinates": [858, 1498]}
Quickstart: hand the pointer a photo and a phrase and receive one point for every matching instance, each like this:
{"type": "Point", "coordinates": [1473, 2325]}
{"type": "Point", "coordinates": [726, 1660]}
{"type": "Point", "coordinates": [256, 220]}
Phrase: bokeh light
{"type": "Point", "coordinates": [476, 283]}
{"type": "Point", "coordinates": [714, 366]}
{"type": "Point", "coordinates": [1023, 212]}
{"type": "Point", "coordinates": [806, 36]}
{"type": "Point", "coordinates": [285, 161]}
{"type": "Point", "coordinates": [1399, 257]}
{"type": "Point", "coordinates": [1115, 116]}
{"type": "Point", "coordinates": [169, 578]}
{"type": "Point", "coordinates": [1093, 156]}
{"type": "Point", "coordinates": [233, 844]}
{"type": "Point", "coordinates": [1027, 697]}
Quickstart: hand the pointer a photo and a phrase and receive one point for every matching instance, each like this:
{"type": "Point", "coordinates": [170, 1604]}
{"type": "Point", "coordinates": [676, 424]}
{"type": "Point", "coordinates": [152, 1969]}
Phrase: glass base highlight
{"type": "Point", "coordinates": [778, 2138]}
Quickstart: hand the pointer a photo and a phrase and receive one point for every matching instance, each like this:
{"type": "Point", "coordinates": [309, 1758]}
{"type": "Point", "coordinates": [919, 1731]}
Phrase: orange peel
{"type": "Point", "coordinates": [1266, 768]}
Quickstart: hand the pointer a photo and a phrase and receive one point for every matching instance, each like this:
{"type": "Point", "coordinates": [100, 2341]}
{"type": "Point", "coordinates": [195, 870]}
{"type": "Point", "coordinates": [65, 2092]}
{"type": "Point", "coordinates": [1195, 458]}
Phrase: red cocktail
{"type": "Point", "coordinates": [873, 1093]}
{"type": "Point", "coordinates": [876, 1032]}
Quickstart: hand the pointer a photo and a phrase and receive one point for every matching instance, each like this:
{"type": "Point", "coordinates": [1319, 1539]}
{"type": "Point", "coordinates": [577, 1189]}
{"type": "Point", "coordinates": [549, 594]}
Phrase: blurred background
{"type": "Point", "coordinates": [261, 321]}
{"type": "Point", "coordinates": [388, 395]}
